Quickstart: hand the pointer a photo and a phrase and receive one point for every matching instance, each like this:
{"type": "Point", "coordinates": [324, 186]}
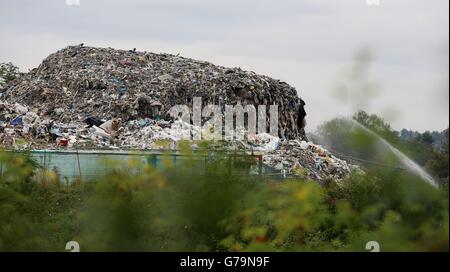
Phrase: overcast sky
{"type": "Point", "coordinates": [310, 44]}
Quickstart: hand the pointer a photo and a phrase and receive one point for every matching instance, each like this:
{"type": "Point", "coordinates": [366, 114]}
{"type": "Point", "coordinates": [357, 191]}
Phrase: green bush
{"type": "Point", "coordinates": [8, 72]}
{"type": "Point", "coordinates": [211, 205]}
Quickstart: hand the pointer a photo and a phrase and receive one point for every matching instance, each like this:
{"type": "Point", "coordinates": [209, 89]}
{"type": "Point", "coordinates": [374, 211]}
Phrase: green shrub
{"type": "Point", "coordinates": [210, 205]}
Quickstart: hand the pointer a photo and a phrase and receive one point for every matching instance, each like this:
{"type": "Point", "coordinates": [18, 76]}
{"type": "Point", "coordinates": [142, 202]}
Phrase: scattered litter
{"type": "Point", "coordinates": [87, 84]}
{"type": "Point", "coordinates": [16, 122]}
{"type": "Point", "coordinates": [63, 142]}
{"type": "Point", "coordinates": [304, 145]}
{"type": "Point", "coordinates": [117, 99]}
{"type": "Point", "coordinates": [307, 159]}
{"type": "Point", "coordinates": [111, 126]}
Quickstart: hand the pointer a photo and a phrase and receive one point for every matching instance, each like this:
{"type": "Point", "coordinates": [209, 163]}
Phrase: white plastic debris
{"type": "Point", "coordinates": [100, 132]}
{"type": "Point", "coordinates": [304, 145]}
{"type": "Point", "coordinates": [20, 109]}
{"type": "Point", "coordinates": [266, 143]}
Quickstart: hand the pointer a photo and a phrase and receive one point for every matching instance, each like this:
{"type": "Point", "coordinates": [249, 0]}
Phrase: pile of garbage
{"type": "Point", "coordinates": [81, 82]}
{"type": "Point", "coordinates": [21, 128]}
{"type": "Point", "coordinates": [101, 98]}
{"type": "Point", "coordinates": [306, 159]}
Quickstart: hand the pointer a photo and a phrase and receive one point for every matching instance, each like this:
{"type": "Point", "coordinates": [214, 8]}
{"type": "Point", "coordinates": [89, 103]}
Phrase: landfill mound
{"type": "Point", "coordinates": [95, 98]}
{"type": "Point", "coordinates": [306, 159]}
{"type": "Point", "coordinates": [80, 82]}
{"type": "Point", "coordinates": [297, 158]}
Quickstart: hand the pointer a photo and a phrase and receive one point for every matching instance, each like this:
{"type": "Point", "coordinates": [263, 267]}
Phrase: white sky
{"type": "Point", "coordinates": [310, 44]}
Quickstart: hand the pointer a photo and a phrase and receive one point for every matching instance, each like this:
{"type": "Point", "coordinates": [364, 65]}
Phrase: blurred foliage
{"type": "Point", "coordinates": [35, 214]}
{"type": "Point", "coordinates": [399, 212]}
{"type": "Point", "coordinates": [438, 163]}
{"type": "Point", "coordinates": [207, 202]}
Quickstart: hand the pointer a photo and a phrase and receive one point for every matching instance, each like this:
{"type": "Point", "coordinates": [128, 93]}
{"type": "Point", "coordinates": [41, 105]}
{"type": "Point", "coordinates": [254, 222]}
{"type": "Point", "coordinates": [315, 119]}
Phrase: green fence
{"type": "Point", "coordinates": [86, 165]}
{"type": "Point", "coordinates": [89, 164]}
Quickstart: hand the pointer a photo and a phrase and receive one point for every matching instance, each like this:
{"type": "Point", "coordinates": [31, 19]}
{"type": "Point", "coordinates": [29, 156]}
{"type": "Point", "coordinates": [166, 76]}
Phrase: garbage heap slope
{"type": "Point", "coordinates": [79, 82]}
